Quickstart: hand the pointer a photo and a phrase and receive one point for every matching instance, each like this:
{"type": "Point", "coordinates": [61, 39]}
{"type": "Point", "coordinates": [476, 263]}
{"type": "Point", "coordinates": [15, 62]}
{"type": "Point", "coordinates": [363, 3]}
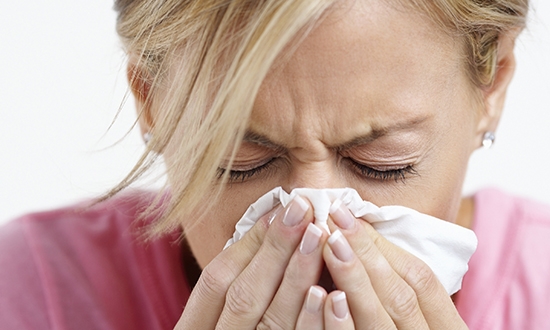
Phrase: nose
{"type": "Point", "coordinates": [318, 174]}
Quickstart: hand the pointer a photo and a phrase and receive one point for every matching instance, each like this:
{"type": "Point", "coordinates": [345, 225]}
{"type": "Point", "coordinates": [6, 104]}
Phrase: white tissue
{"type": "Point", "coordinates": [444, 246]}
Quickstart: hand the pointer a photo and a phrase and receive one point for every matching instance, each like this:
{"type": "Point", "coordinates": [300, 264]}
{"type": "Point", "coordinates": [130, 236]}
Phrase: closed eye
{"type": "Point", "coordinates": [397, 174]}
{"type": "Point", "coordinates": [242, 175]}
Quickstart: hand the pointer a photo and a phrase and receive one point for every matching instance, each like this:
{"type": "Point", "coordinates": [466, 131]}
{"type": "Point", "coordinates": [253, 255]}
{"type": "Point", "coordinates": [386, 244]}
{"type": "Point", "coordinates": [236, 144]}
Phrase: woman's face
{"type": "Point", "coordinates": [377, 99]}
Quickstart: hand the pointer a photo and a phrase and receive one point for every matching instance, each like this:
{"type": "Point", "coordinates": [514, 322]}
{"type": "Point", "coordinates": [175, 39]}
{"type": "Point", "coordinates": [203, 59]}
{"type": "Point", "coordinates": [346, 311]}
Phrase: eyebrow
{"type": "Point", "coordinates": [376, 133]}
{"type": "Point", "coordinates": [256, 138]}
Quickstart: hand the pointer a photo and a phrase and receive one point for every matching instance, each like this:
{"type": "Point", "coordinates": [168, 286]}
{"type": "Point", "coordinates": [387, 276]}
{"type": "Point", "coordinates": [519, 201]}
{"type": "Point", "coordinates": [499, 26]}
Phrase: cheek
{"type": "Point", "coordinates": [447, 191]}
{"type": "Point", "coordinates": [439, 190]}
{"type": "Point", "coordinates": [207, 237]}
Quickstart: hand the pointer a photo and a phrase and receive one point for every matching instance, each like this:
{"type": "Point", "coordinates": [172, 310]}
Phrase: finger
{"type": "Point", "coordinates": [434, 301]}
{"type": "Point", "coordinates": [208, 295]}
{"type": "Point", "coordinates": [397, 297]}
{"type": "Point", "coordinates": [337, 313]}
{"type": "Point", "coordinates": [303, 271]}
{"type": "Point", "coordinates": [402, 280]}
{"type": "Point", "coordinates": [311, 315]}
{"type": "Point", "coordinates": [253, 290]}
{"type": "Point", "coordinates": [349, 275]}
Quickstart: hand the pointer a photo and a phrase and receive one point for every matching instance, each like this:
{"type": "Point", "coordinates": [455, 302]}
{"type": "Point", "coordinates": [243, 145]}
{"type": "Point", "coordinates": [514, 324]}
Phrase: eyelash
{"type": "Point", "coordinates": [399, 174]}
{"type": "Point", "coordinates": [244, 175]}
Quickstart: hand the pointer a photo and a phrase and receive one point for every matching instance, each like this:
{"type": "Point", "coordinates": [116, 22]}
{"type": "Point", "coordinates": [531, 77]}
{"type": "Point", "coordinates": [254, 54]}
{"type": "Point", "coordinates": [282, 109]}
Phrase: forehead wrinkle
{"type": "Point", "coordinates": [313, 100]}
{"type": "Point", "coordinates": [375, 133]}
{"type": "Point", "coordinates": [379, 131]}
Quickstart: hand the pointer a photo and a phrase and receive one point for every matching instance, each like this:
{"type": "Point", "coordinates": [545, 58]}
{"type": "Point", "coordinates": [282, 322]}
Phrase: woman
{"type": "Point", "coordinates": [389, 98]}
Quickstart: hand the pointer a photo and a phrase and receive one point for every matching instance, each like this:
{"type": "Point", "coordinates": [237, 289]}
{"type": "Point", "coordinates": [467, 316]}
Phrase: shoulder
{"type": "Point", "coordinates": [77, 227]}
{"type": "Point", "coordinates": [509, 225]}
{"type": "Point", "coordinates": [86, 263]}
{"type": "Point", "coordinates": [507, 284]}
{"type": "Point", "coordinates": [22, 292]}
{"type": "Point", "coordinates": [503, 204]}
{"type": "Point", "coordinates": [84, 217]}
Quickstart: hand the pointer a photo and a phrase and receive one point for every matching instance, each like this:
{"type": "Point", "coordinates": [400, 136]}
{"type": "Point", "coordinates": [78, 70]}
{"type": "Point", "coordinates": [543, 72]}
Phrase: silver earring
{"type": "Point", "coordinates": [488, 140]}
{"type": "Point", "coordinates": [147, 137]}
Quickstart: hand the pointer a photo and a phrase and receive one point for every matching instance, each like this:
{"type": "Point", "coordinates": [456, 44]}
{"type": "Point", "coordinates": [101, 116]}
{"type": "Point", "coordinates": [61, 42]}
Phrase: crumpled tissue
{"type": "Point", "coordinates": [444, 246]}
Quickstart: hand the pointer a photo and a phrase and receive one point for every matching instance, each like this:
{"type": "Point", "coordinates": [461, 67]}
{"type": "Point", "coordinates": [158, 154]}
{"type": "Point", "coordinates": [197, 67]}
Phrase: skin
{"type": "Point", "coordinates": [373, 85]}
{"type": "Point", "coordinates": [347, 79]}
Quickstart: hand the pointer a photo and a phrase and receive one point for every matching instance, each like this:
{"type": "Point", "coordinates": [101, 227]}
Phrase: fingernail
{"type": "Point", "coordinates": [274, 213]}
{"type": "Point", "coordinates": [295, 212]}
{"type": "Point", "coordinates": [311, 238]}
{"type": "Point", "coordinates": [340, 246]}
{"type": "Point", "coordinates": [340, 306]}
{"type": "Point", "coordinates": [341, 215]}
{"type": "Point", "coordinates": [314, 300]}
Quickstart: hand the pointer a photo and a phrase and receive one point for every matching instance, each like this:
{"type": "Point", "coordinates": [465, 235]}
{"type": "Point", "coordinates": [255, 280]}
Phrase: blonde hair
{"type": "Point", "coordinates": [209, 58]}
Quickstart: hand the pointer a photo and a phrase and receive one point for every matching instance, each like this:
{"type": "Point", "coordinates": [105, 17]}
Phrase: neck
{"type": "Point", "coordinates": [465, 217]}
{"type": "Point", "coordinates": [190, 266]}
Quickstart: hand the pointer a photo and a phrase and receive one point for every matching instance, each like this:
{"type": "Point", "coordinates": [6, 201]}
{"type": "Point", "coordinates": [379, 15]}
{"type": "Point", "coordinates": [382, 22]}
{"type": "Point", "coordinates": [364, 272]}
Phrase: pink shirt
{"type": "Point", "coordinates": [78, 268]}
{"type": "Point", "coordinates": [508, 284]}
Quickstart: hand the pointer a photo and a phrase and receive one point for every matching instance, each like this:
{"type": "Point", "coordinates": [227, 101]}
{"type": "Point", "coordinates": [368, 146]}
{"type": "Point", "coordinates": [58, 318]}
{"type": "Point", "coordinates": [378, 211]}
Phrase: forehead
{"type": "Point", "coordinates": [366, 64]}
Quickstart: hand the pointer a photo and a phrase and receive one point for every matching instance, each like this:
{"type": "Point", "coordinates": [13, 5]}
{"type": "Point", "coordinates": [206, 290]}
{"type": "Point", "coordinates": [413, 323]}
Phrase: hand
{"type": "Point", "coordinates": [386, 287]}
{"type": "Point", "coordinates": [260, 281]}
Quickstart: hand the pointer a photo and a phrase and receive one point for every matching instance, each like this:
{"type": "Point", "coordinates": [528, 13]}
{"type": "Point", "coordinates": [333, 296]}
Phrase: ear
{"type": "Point", "coordinates": [495, 95]}
{"type": "Point", "coordinates": [140, 85]}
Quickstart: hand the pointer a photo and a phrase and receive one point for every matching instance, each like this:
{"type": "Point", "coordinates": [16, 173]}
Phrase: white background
{"type": "Point", "coordinates": [62, 79]}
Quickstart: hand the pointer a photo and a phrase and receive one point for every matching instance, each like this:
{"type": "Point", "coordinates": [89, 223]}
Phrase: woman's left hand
{"type": "Point", "coordinates": [385, 287]}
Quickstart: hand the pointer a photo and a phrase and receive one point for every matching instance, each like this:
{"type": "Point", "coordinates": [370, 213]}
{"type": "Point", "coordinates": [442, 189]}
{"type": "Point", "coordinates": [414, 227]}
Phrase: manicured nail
{"type": "Point", "coordinates": [274, 213]}
{"type": "Point", "coordinates": [340, 246]}
{"type": "Point", "coordinates": [295, 212]}
{"type": "Point", "coordinates": [341, 215]}
{"type": "Point", "coordinates": [314, 300]}
{"type": "Point", "coordinates": [340, 306]}
{"type": "Point", "coordinates": [311, 238]}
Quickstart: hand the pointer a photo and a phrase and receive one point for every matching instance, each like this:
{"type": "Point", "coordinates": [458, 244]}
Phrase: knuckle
{"type": "Point", "coordinates": [370, 308]}
{"type": "Point", "coordinates": [240, 300]}
{"type": "Point", "coordinates": [214, 279]}
{"type": "Point", "coordinates": [256, 235]}
{"type": "Point", "coordinates": [380, 268]}
{"type": "Point", "coordinates": [267, 323]}
{"type": "Point", "coordinates": [291, 277]}
{"type": "Point", "coordinates": [404, 302]}
{"type": "Point", "coordinates": [294, 273]}
{"type": "Point", "coordinates": [378, 240]}
{"type": "Point", "coordinates": [365, 250]}
{"type": "Point", "coordinates": [277, 248]}
{"type": "Point", "coordinates": [420, 277]}
{"type": "Point", "coordinates": [254, 239]}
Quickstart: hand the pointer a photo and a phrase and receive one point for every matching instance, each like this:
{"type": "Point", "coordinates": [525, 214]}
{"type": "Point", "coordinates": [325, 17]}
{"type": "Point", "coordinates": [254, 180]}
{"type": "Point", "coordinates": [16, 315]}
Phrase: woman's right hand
{"type": "Point", "coordinates": [261, 281]}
